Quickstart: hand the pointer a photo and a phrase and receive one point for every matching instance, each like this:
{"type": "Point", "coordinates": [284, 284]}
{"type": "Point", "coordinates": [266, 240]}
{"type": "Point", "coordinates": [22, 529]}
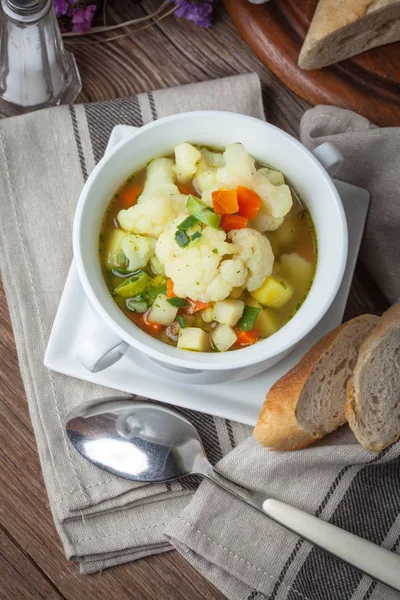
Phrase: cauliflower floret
{"type": "Point", "coordinates": [266, 222]}
{"type": "Point", "coordinates": [256, 254]}
{"type": "Point", "coordinates": [160, 177]}
{"type": "Point", "coordinates": [138, 249]}
{"type": "Point", "coordinates": [186, 159]}
{"type": "Point", "coordinates": [199, 272]}
{"type": "Point", "coordinates": [153, 216]}
{"type": "Point", "coordinates": [206, 174]}
{"type": "Point", "coordinates": [276, 199]}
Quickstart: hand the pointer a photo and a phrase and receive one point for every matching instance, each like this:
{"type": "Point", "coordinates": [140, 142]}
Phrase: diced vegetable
{"type": "Point", "coordinates": [187, 223]}
{"type": "Point", "coordinates": [223, 337]}
{"type": "Point", "coordinates": [181, 322]}
{"type": "Point", "coordinates": [246, 322]}
{"type": "Point", "coordinates": [170, 288]}
{"type": "Point", "coordinates": [273, 292]}
{"type": "Point", "coordinates": [225, 202]}
{"type": "Point", "coordinates": [138, 249]}
{"type": "Point", "coordinates": [208, 314]}
{"type": "Point", "coordinates": [273, 176]}
{"type": "Point", "coordinates": [246, 338]}
{"type": "Point", "coordinates": [154, 291]}
{"type": "Point", "coordinates": [135, 305]}
{"type": "Point", "coordinates": [133, 285]}
{"type": "Point", "coordinates": [249, 202]}
{"type": "Point", "coordinates": [161, 311]}
{"type": "Point", "coordinates": [202, 213]}
{"type": "Point", "coordinates": [113, 247]}
{"type": "Point", "coordinates": [182, 239]}
{"type": "Point", "coordinates": [156, 265]}
{"type": "Point", "coordinates": [297, 270]}
{"type": "Point", "coordinates": [153, 328]}
{"type": "Point", "coordinates": [229, 222]}
{"type": "Point", "coordinates": [129, 195]}
{"type": "Point", "coordinates": [186, 159]}
{"type": "Point", "coordinates": [178, 302]}
{"type": "Point", "coordinates": [193, 338]}
{"type": "Point", "coordinates": [267, 322]}
{"type": "Point", "coordinates": [228, 311]}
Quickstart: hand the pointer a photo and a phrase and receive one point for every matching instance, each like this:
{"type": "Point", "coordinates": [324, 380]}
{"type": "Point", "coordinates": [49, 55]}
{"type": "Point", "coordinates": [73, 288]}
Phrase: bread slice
{"type": "Point", "coordinates": [308, 402]}
{"type": "Point", "coordinates": [344, 28]}
{"type": "Point", "coordinates": [373, 404]}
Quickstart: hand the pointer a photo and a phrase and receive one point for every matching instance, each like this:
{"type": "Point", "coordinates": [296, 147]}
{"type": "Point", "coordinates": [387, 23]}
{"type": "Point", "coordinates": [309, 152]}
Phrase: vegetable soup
{"type": "Point", "coordinates": [208, 250]}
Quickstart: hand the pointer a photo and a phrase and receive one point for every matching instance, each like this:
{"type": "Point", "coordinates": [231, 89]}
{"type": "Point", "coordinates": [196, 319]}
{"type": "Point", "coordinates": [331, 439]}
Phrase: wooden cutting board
{"type": "Point", "coordinates": [368, 83]}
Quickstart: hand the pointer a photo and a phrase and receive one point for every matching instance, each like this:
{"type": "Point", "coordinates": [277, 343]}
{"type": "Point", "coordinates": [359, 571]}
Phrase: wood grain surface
{"type": "Point", "coordinates": [32, 562]}
{"type": "Point", "coordinates": [368, 83]}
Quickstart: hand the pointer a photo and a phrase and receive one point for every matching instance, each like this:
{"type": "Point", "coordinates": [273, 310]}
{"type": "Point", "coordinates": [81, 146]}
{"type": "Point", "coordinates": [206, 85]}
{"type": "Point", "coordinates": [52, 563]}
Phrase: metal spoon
{"type": "Point", "coordinates": [147, 442]}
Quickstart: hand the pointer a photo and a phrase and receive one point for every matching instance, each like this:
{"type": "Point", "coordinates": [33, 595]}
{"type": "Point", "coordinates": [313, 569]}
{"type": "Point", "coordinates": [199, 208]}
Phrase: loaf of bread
{"type": "Point", "coordinates": [344, 28]}
{"type": "Point", "coordinates": [373, 405]}
{"type": "Point", "coordinates": [309, 401]}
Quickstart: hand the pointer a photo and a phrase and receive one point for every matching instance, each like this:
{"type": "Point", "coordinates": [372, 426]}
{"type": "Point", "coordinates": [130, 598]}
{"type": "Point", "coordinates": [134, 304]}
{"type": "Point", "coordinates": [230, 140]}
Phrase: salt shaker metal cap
{"type": "Point", "coordinates": [35, 69]}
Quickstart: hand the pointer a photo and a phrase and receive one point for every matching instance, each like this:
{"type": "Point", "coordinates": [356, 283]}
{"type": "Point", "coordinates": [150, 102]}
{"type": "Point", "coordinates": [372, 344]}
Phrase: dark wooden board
{"type": "Point", "coordinates": [32, 562]}
{"type": "Point", "coordinates": [368, 83]}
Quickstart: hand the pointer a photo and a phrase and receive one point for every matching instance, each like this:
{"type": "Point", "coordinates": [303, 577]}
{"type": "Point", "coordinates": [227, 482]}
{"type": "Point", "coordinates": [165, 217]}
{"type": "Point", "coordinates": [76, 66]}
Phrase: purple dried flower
{"type": "Point", "coordinates": [61, 7]}
{"type": "Point", "coordinates": [200, 12]}
{"type": "Point", "coordinates": [82, 18]}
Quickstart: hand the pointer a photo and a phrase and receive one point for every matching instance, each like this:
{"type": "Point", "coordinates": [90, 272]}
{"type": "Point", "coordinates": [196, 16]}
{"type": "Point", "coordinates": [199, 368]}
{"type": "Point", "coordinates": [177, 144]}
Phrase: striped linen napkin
{"type": "Point", "coordinates": [45, 158]}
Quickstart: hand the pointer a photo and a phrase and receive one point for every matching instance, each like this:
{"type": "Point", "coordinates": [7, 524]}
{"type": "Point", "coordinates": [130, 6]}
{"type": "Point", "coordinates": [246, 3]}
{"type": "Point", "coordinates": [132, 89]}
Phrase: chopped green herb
{"type": "Point", "coordinates": [181, 321]}
{"type": "Point", "coordinates": [283, 284]}
{"type": "Point", "coordinates": [248, 318]}
{"type": "Point", "coordinates": [196, 235]}
{"type": "Point", "coordinates": [178, 302]}
{"type": "Point", "coordinates": [215, 250]}
{"type": "Point", "coordinates": [187, 223]}
{"type": "Point", "coordinates": [182, 239]}
{"type": "Point", "coordinates": [152, 292]}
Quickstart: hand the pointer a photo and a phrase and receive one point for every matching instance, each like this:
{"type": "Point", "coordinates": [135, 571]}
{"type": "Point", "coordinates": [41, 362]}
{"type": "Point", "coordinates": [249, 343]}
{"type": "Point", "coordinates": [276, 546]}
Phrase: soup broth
{"type": "Point", "coordinates": [261, 311]}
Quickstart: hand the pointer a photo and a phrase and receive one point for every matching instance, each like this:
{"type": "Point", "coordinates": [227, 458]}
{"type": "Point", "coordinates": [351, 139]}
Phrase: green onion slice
{"type": "Point", "coordinates": [187, 223]}
{"type": "Point", "coordinates": [182, 239]}
{"type": "Point", "coordinates": [250, 314]}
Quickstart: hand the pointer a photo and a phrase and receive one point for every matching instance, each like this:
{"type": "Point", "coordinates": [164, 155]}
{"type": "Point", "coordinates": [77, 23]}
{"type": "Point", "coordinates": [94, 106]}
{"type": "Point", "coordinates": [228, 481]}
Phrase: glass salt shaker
{"type": "Point", "coordinates": [35, 69]}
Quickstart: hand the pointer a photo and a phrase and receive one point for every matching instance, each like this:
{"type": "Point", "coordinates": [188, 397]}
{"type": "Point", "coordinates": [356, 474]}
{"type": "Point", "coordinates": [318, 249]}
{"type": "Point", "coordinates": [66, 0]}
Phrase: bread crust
{"type": "Point", "coordinates": [277, 427]}
{"type": "Point", "coordinates": [353, 405]}
{"type": "Point", "coordinates": [331, 16]}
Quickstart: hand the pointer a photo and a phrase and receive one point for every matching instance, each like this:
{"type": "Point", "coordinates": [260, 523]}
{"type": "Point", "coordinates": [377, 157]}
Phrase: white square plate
{"type": "Point", "coordinates": [238, 400]}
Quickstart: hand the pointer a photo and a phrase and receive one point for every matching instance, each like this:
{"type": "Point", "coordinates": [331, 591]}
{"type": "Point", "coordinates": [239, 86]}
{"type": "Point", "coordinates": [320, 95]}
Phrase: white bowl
{"type": "Point", "coordinates": [267, 144]}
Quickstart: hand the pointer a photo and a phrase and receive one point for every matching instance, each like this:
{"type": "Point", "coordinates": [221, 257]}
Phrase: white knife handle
{"type": "Point", "coordinates": [373, 560]}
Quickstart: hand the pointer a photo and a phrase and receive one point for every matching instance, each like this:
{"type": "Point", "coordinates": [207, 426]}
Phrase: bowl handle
{"type": "Point", "coordinates": [329, 157]}
{"type": "Point", "coordinates": [101, 350]}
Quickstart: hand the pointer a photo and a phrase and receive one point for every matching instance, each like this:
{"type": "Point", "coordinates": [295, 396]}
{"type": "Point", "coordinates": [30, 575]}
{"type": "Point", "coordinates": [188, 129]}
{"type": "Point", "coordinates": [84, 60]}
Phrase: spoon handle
{"type": "Point", "coordinates": [373, 560]}
{"type": "Point", "coordinates": [369, 558]}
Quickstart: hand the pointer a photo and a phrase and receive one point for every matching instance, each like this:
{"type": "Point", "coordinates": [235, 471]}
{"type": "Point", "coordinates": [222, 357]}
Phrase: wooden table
{"type": "Point", "coordinates": [32, 562]}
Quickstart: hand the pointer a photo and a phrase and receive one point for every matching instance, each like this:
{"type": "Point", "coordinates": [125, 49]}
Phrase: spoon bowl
{"type": "Point", "coordinates": [136, 440]}
{"type": "Point", "coordinates": [147, 442]}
